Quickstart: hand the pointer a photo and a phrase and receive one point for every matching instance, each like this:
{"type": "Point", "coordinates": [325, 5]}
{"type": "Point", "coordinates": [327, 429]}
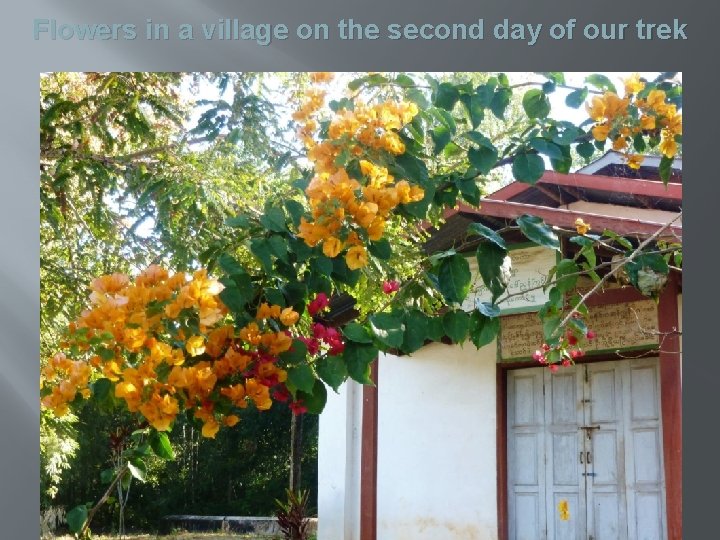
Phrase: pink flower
{"type": "Point", "coordinates": [319, 331]}
{"type": "Point", "coordinates": [312, 344]}
{"type": "Point", "coordinates": [297, 407]}
{"type": "Point", "coordinates": [318, 304]}
{"type": "Point", "coordinates": [281, 394]}
{"type": "Point", "coordinates": [538, 356]}
{"type": "Point", "coordinates": [554, 367]}
{"type": "Point", "coordinates": [336, 347]}
{"type": "Point", "coordinates": [590, 335]}
{"type": "Point", "coordinates": [391, 286]}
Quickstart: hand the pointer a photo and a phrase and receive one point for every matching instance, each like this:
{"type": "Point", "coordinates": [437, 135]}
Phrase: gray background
{"type": "Point", "coordinates": [24, 58]}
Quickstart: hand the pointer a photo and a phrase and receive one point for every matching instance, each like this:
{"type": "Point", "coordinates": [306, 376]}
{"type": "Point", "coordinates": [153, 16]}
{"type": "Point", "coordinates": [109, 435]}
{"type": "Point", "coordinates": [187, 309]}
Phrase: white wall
{"type": "Point", "coordinates": [629, 212]}
{"type": "Point", "coordinates": [339, 464]}
{"type": "Point", "coordinates": [436, 445]}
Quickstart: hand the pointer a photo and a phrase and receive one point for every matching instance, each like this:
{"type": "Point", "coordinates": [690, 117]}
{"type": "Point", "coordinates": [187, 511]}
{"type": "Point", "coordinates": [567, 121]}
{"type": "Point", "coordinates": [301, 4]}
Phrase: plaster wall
{"type": "Point", "coordinates": [436, 444]}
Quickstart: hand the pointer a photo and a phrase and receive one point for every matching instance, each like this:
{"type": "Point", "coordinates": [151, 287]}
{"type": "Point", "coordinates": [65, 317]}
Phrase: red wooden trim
{"type": "Point", "coordinates": [615, 296]}
{"type": "Point", "coordinates": [368, 460]}
{"type": "Point", "coordinates": [501, 450]}
{"type": "Point", "coordinates": [566, 218]}
{"type": "Point", "coordinates": [509, 191]}
{"type": "Point", "coordinates": [671, 405]}
{"type": "Point", "coordinates": [631, 186]}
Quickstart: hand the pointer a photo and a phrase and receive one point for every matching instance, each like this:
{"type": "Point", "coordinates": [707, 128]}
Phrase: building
{"type": "Point", "coordinates": [590, 451]}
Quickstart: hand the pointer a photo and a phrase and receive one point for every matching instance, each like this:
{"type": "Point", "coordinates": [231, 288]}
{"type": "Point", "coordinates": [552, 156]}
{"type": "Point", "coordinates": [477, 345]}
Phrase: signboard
{"type": "Point", "coordinates": [530, 267]}
{"type": "Point", "coordinates": [618, 326]}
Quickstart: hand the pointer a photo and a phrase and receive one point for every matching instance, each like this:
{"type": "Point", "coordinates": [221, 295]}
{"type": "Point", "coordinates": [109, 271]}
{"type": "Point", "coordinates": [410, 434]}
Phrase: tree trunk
{"type": "Point", "coordinates": [296, 423]}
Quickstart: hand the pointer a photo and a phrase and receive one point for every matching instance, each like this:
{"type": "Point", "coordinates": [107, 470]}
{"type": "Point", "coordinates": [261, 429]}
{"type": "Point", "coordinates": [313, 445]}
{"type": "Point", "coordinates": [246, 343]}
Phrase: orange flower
{"type": "Point", "coordinates": [195, 345]}
{"type": "Point", "coordinates": [289, 316]}
{"type": "Point", "coordinates": [332, 246]}
{"type": "Point", "coordinates": [356, 257]}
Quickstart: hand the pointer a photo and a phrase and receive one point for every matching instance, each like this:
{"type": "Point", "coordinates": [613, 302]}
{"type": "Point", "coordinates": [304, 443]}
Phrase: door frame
{"type": "Point", "coordinates": [670, 404]}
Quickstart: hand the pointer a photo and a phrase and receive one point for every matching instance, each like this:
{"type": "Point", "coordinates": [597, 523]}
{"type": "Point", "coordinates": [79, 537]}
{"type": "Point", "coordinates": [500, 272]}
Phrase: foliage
{"type": "Point", "coordinates": [170, 349]}
{"type": "Point", "coordinates": [292, 516]}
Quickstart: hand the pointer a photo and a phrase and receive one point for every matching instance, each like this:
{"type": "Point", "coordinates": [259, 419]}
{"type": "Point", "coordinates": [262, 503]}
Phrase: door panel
{"type": "Point", "coordinates": [564, 482]}
{"type": "Point", "coordinates": [644, 467]}
{"type": "Point", "coordinates": [526, 444]}
{"type": "Point", "coordinates": [606, 478]}
{"type": "Point", "coordinates": [611, 475]}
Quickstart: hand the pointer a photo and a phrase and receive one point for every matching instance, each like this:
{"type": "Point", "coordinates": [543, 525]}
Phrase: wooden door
{"type": "Point", "coordinates": [587, 437]}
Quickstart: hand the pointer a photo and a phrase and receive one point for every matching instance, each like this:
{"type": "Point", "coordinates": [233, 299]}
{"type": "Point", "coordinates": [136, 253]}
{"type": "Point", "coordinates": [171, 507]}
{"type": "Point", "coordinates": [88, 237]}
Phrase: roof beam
{"type": "Point", "coordinates": [631, 186]}
{"type": "Point", "coordinates": [566, 218]}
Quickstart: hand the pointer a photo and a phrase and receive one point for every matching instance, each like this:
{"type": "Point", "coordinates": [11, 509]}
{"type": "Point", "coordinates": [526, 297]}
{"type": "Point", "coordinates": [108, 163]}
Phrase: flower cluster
{"type": "Point", "coordinates": [564, 353]}
{"type": "Point", "coordinates": [350, 209]}
{"type": "Point", "coordinates": [652, 114]}
{"type": "Point", "coordinates": [161, 342]}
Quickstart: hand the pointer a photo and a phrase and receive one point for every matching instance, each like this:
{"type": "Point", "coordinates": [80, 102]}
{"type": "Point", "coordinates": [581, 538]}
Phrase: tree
{"type": "Point", "coordinates": [384, 162]}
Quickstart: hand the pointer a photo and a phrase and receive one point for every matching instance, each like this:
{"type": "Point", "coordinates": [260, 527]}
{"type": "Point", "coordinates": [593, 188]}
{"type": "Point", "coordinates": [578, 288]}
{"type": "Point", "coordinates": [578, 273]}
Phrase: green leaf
{"type": "Point", "coordinates": [416, 324]}
{"type": "Point", "coordinates": [357, 333]}
{"type": "Point", "coordinates": [76, 518]}
{"type": "Point", "coordinates": [483, 158]}
{"type": "Point", "coordinates": [302, 377]}
{"type": "Point", "coordinates": [483, 329]}
{"type": "Point", "coordinates": [536, 230]}
{"type": "Point", "coordinates": [260, 248]}
{"type": "Point", "coordinates": [296, 354]}
{"type": "Point", "coordinates": [576, 98]}
{"type": "Point", "coordinates": [230, 265]}
{"type": "Point", "coordinates": [358, 359]}
{"type": "Point", "coordinates": [454, 278]}
{"type": "Point", "coordinates": [295, 209]}
{"type": "Point", "coordinates": [624, 242]}
{"type": "Point", "coordinates": [277, 245]}
{"type": "Point", "coordinates": [565, 282]}
{"type": "Point", "coordinates": [665, 169]}
{"type": "Point", "coordinates": [456, 324]}
{"type": "Point", "coordinates": [380, 249]}
{"type": "Point", "coordinates": [546, 147]}
{"type": "Point", "coordinates": [536, 103]}
{"type": "Point", "coordinates": [500, 101]}
{"type": "Point", "coordinates": [479, 139]}
{"type": "Point", "coordinates": [413, 169]}
{"type": "Point", "coordinates": [585, 150]}
{"type": "Point", "coordinates": [528, 168]}
{"type": "Point", "coordinates": [441, 136]}
{"type": "Point", "coordinates": [475, 108]}
{"type": "Point", "coordinates": [490, 258]}
{"type": "Point", "coordinates": [107, 475]}
{"type": "Point", "coordinates": [233, 298]}
{"type": "Point", "coordinates": [160, 444]}
{"type": "Point", "coordinates": [240, 221]}
{"type": "Point", "coordinates": [138, 469]}
{"type": "Point", "coordinates": [314, 401]}
{"type": "Point", "coordinates": [487, 233]}
{"type": "Point", "coordinates": [601, 82]}
{"type": "Point", "coordinates": [446, 96]}
{"type": "Point", "coordinates": [101, 389]}
{"type": "Point", "coordinates": [332, 370]}
{"type": "Point", "coordinates": [563, 163]}
{"type": "Point", "coordinates": [388, 329]}
{"type": "Point", "coordinates": [639, 143]}
{"type": "Point", "coordinates": [485, 92]}
{"type": "Point", "coordinates": [564, 133]}
{"type": "Point", "coordinates": [469, 189]}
